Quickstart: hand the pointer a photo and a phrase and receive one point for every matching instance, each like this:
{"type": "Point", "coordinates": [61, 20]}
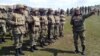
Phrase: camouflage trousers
{"type": "Point", "coordinates": [61, 30]}
{"type": "Point", "coordinates": [2, 30]}
{"type": "Point", "coordinates": [34, 36]}
{"type": "Point", "coordinates": [18, 40]}
{"type": "Point", "coordinates": [80, 35]}
{"type": "Point", "coordinates": [51, 31]}
{"type": "Point", "coordinates": [43, 33]}
{"type": "Point", "coordinates": [56, 30]}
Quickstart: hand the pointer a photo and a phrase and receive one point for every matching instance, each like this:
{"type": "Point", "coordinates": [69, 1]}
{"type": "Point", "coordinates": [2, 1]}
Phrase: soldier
{"type": "Point", "coordinates": [9, 27]}
{"type": "Point", "coordinates": [57, 22]}
{"type": "Point", "coordinates": [44, 28]}
{"type": "Point", "coordinates": [67, 12]}
{"type": "Point", "coordinates": [62, 22]}
{"type": "Point", "coordinates": [71, 11]}
{"type": "Point", "coordinates": [98, 12]}
{"type": "Point", "coordinates": [34, 29]}
{"type": "Point", "coordinates": [85, 10]}
{"type": "Point", "coordinates": [3, 17]}
{"type": "Point", "coordinates": [77, 21]}
{"type": "Point", "coordinates": [18, 27]}
{"type": "Point", "coordinates": [51, 22]}
{"type": "Point", "coordinates": [26, 13]}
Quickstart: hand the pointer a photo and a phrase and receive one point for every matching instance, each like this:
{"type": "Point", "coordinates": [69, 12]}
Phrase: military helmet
{"type": "Point", "coordinates": [77, 9]}
{"type": "Point", "coordinates": [56, 11]}
{"type": "Point", "coordinates": [50, 10]}
{"type": "Point", "coordinates": [2, 7]}
{"type": "Point", "coordinates": [18, 6]}
{"type": "Point", "coordinates": [34, 9]}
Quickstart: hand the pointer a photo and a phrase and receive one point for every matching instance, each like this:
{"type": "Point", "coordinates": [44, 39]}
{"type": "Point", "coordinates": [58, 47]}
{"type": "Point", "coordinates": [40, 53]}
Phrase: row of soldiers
{"type": "Point", "coordinates": [83, 10]}
{"type": "Point", "coordinates": [40, 25]}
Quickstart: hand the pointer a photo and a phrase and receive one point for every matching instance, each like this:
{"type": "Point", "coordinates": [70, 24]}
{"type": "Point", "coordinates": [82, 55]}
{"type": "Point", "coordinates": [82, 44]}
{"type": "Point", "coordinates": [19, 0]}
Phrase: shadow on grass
{"type": "Point", "coordinates": [56, 51]}
{"type": "Point", "coordinates": [10, 50]}
{"type": "Point", "coordinates": [7, 51]}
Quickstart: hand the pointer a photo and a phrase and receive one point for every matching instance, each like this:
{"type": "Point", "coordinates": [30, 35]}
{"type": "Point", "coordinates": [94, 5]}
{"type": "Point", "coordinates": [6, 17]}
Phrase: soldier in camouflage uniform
{"type": "Point", "coordinates": [9, 27]}
{"type": "Point", "coordinates": [3, 17]}
{"type": "Point", "coordinates": [62, 22]}
{"type": "Point", "coordinates": [18, 27]}
{"type": "Point", "coordinates": [34, 28]}
{"type": "Point", "coordinates": [51, 22]}
{"type": "Point", "coordinates": [57, 24]}
{"type": "Point", "coordinates": [44, 28]}
{"type": "Point", "coordinates": [98, 12]}
{"type": "Point", "coordinates": [26, 13]}
{"type": "Point", "coordinates": [77, 22]}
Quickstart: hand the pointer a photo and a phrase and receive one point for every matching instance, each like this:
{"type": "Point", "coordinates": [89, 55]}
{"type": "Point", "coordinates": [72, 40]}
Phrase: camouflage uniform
{"type": "Point", "coordinates": [18, 28]}
{"type": "Point", "coordinates": [62, 22]}
{"type": "Point", "coordinates": [3, 17]}
{"type": "Point", "coordinates": [57, 24]}
{"type": "Point", "coordinates": [51, 22]}
{"type": "Point", "coordinates": [98, 12]}
{"type": "Point", "coordinates": [9, 14]}
{"type": "Point", "coordinates": [34, 29]}
{"type": "Point", "coordinates": [78, 30]}
{"type": "Point", "coordinates": [44, 28]}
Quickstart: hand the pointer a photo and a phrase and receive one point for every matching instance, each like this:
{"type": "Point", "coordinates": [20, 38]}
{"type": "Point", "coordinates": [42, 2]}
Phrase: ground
{"type": "Point", "coordinates": [64, 46]}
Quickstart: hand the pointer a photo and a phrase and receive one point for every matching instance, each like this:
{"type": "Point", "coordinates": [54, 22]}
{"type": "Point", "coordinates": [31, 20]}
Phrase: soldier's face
{"type": "Point", "coordinates": [21, 10]}
{"type": "Point", "coordinates": [77, 11]}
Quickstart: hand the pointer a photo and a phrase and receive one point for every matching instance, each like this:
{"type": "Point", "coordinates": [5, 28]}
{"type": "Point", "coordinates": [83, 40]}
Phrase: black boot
{"type": "Point", "coordinates": [34, 47]}
{"type": "Point", "coordinates": [0, 40]}
{"type": "Point", "coordinates": [17, 52]}
{"type": "Point", "coordinates": [20, 51]}
{"type": "Point", "coordinates": [83, 50]}
{"type": "Point", "coordinates": [3, 40]}
{"type": "Point", "coordinates": [31, 49]}
{"type": "Point", "coordinates": [77, 51]}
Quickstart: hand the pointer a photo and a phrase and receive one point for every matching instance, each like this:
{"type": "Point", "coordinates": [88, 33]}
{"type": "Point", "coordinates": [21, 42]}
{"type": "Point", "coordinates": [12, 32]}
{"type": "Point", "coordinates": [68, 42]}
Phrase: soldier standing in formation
{"type": "Point", "coordinates": [57, 24]}
{"type": "Point", "coordinates": [62, 22]}
{"type": "Point", "coordinates": [18, 27]}
{"type": "Point", "coordinates": [51, 22]}
{"type": "Point", "coordinates": [3, 18]}
{"type": "Point", "coordinates": [44, 26]}
{"type": "Point", "coordinates": [98, 12]}
{"type": "Point", "coordinates": [34, 28]}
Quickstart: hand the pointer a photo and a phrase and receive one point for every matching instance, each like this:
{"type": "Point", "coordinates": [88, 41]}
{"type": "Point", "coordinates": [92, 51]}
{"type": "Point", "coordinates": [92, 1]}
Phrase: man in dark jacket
{"type": "Point", "coordinates": [77, 21]}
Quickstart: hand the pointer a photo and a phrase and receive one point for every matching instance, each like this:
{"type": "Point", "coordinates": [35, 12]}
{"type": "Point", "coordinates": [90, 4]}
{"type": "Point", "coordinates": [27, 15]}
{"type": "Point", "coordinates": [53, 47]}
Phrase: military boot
{"type": "Point", "coordinates": [83, 50]}
{"type": "Point", "coordinates": [0, 40]}
{"type": "Point", "coordinates": [3, 39]}
{"type": "Point", "coordinates": [34, 47]}
{"type": "Point", "coordinates": [17, 52]}
{"type": "Point", "coordinates": [20, 51]}
{"type": "Point", "coordinates": [31, 49]}
{"type": "Point", "coordinates": [76, 51]}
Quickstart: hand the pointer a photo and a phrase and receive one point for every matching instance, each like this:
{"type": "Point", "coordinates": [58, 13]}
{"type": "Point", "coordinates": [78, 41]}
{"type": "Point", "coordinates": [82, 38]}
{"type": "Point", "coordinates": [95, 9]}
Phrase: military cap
{"type": "Point", "coordinates": [18, 6]}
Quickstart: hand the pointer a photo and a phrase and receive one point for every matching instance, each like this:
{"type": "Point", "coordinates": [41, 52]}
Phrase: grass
{"type": "Point", "coordinates": [64, 46]}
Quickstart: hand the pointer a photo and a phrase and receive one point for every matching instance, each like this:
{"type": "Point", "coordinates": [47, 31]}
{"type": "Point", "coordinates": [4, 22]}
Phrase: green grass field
{"type": "Point", "coordinates": [64, 46]}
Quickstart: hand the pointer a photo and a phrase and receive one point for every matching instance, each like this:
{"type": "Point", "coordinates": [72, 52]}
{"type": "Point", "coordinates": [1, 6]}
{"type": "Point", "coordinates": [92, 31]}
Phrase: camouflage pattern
{"type": "Point", "coordinates": [62, 22]}
{"type": "Point", "coordinates": [57, 24]}
{"type": "Point", "coordinates": [3, 18]}
{"type": "Point", "coordinates": [51, 22]}
{"type": "Point", "coordinates": [77, 22]}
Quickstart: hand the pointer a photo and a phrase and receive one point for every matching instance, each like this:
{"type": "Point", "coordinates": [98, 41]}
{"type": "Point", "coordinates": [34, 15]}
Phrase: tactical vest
{"type": "Point", "coordinates": [45, 19]}
{"type": "Point", "coordinates": [51, 19]}
{"type": "Point", "coordinates": [19, 19]}
{"type": "Point", "coordinates": [36, 20]}
{"type": "Point", "coordinates": [57, 19]}
{"type": "Point", "coordinates": [78, 23]}
{"type": "Point", "coordinates": [3, 17]}
{"type": "Point", "coordinates": [62, 19]}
